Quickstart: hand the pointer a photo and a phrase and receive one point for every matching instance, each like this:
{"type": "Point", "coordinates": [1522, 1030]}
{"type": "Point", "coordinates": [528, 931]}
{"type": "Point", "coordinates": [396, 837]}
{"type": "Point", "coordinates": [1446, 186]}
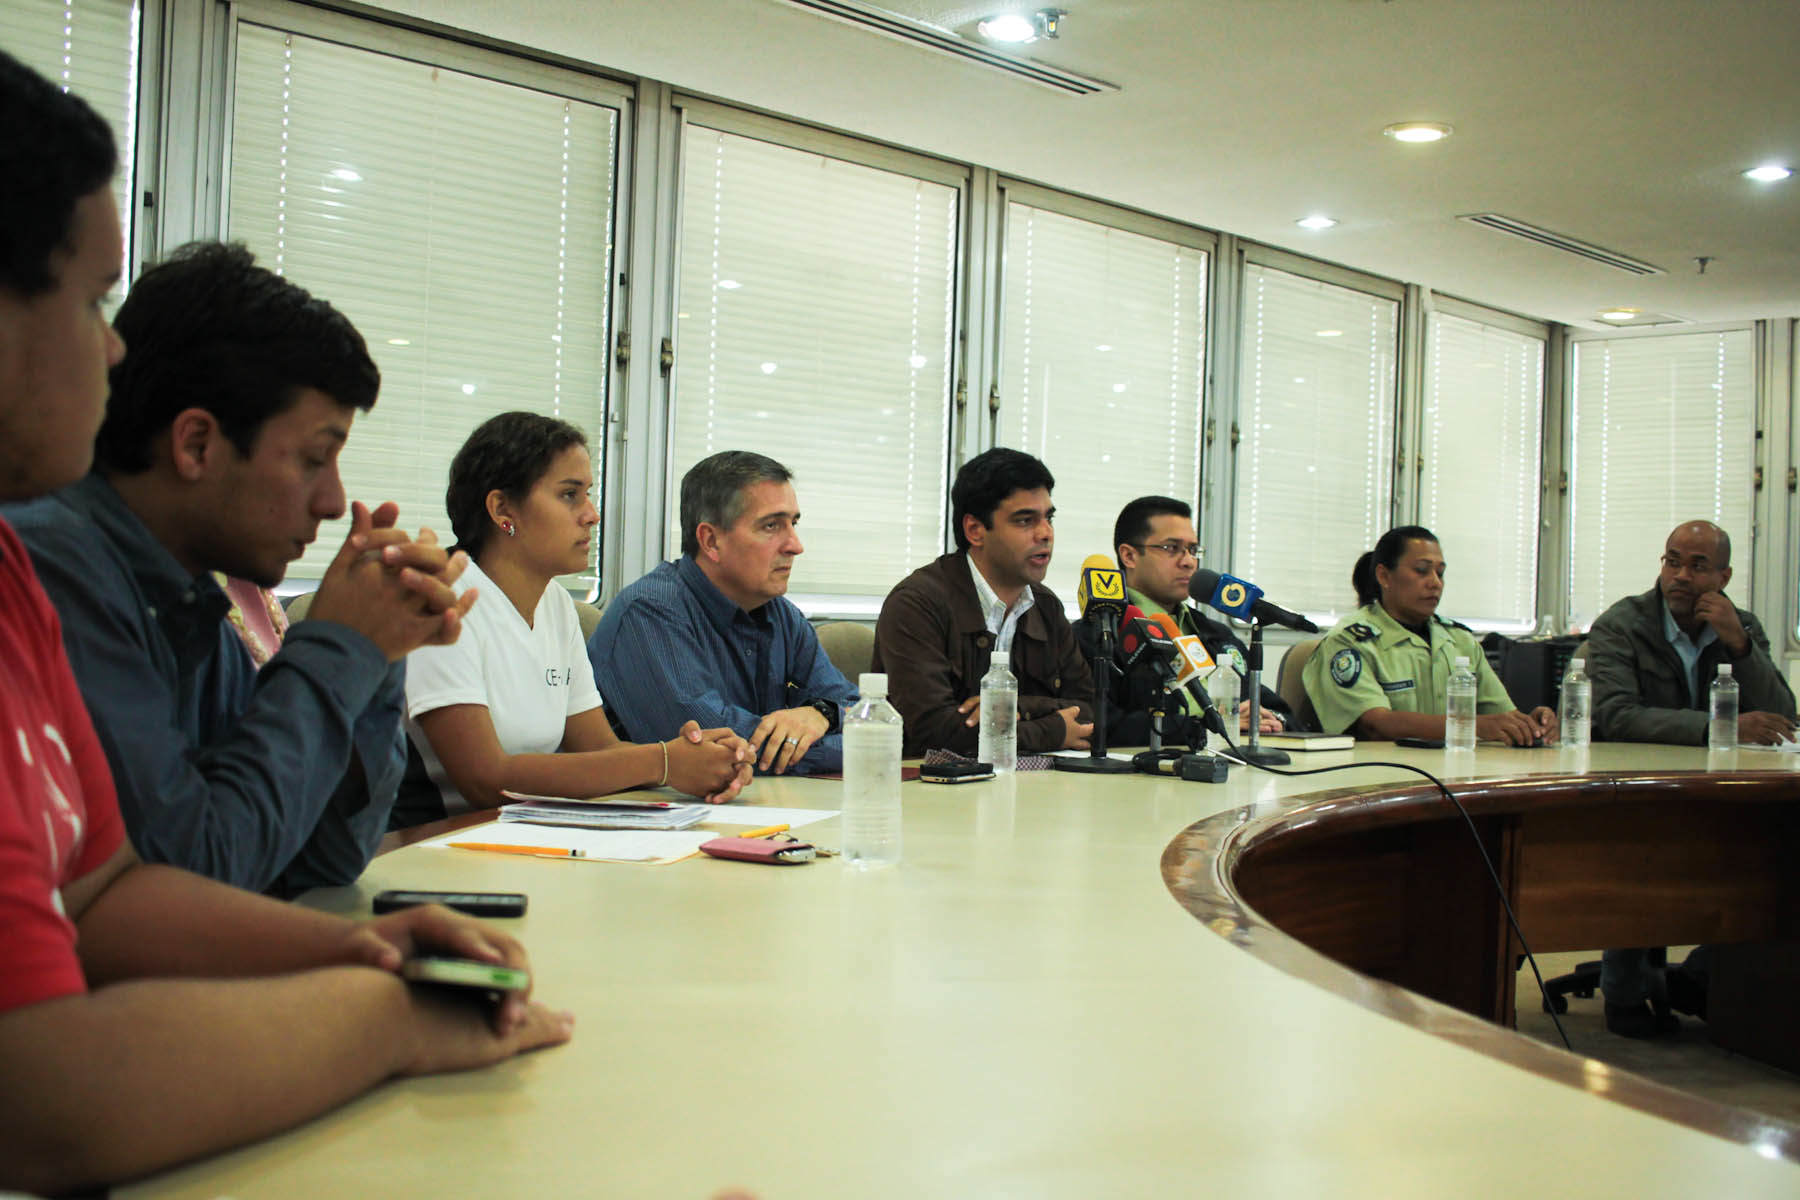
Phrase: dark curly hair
{"type": "Point", "coordinates": [986, 480]}
{"type": "Point", "coordinates": [508, 453]}
{"type": "Point", "coordinates": [210, 329]}
{"type": "Point", "coordinates": [54, 150]}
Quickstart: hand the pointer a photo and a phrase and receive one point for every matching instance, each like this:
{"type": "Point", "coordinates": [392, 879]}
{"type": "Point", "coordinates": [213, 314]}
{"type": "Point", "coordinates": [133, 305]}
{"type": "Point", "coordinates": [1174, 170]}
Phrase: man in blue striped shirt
{"type": "Point", "coordinates": [712, 636]}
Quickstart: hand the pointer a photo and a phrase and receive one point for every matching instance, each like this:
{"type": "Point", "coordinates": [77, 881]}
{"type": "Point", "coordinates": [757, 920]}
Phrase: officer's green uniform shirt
{"type": "Point", "coordinates": [1371, 660]}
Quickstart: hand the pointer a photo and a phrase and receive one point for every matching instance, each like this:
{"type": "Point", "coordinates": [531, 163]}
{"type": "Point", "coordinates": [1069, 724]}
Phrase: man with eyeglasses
{"type": "Point", "coordinates": [1652, 659]}
{"type": "Point", "coordinates": [1158, 553]}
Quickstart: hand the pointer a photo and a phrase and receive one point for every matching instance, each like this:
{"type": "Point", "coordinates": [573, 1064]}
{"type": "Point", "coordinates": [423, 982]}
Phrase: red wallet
{"type": "Point", "coordinates": [762, 850]}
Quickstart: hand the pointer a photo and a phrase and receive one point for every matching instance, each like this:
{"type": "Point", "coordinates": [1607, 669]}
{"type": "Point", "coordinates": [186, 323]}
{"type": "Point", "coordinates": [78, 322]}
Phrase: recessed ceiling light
{"type": "Point", "coordinates": [1620, 314]}
{"type": "Point", "coordinates": [1331, 333]}
{"type": "Point", "coordinates": [1418, 131]}
{"type": "Point", "coordinates": [1318, 222]}
{"type": "Point", "coordinates": [916, 362]}
{"type": "Point", "coordinates": [1768, 173]}
{"type": "Point", "coordinates": [1018, 29]}
{"type": "Point", "coordinates": [1104, 349]}
{"type": "Point", "coordinates": [468, 389]}
{"type": "Point", "coordinates": [768, 368]}
{"type": "Point", "coordinates": [1008, 27]}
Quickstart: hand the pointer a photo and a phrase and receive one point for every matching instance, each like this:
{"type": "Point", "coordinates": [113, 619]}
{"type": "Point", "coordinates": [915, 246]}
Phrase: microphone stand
{"type": "Point", "coordinates": [1253, 753]}
{"type": "Point", "coordinates": [1098, 762]}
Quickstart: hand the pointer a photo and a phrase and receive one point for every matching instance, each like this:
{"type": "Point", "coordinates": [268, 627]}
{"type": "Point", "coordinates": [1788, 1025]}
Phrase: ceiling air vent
{"type": "Point", "coordinates": [930, 37]}
{"type": "Point", "coordinates": [1558, 241]}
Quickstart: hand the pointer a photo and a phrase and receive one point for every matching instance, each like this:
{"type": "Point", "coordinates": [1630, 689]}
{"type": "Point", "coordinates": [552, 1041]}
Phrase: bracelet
{"type": "Point", "coordinates": [664, 782]}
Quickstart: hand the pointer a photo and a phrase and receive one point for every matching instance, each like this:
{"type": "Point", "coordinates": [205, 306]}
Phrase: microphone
{"type": "Point", "coordinates": [1101, 594]}
{"type": "Point", "coordinates": [1193, 664]}
{"type": "Point", "coordinates": [1102, 597]}
{"type": "Point", "coordinates": [1142, 640]}
{"type": "Point", "coordinates": [1242, 599]}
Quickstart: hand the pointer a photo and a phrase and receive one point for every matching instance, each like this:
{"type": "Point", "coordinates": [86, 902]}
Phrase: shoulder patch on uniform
{"type": "Point", "coordinates": [1361, 632]}
{"type": "Point", "coordinates": [1346, 667]}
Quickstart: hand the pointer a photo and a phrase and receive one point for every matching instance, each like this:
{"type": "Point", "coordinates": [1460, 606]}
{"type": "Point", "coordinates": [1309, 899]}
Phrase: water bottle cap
{"type": "Point", "coordinates": [872, 685]}
{"type": "Point", "coordinates": [1724, 670]}
{"type": "Point", "coordinates": [1000, 658]}
{"type": "Point", "coordinates": [1575, 664]}
{"type": "Point", "coordinates": [1462, 660]}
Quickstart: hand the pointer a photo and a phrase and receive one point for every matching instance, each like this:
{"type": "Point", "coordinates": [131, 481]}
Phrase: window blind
{"type": "Point", "coordinates": [815, 326]}
{"type": "Point", "coordinates": [90, 47]}
{"type": "Point", "coordinates": [1484, 403]}
{"type": "Point", "coordinates": [463, 224]}
{"type": "Point", "coordinates": [1664, 432]}
{"type": "Point", "coordinates": [1316, 437]}
{"type": "Point", "coordinates": [1102, 371]}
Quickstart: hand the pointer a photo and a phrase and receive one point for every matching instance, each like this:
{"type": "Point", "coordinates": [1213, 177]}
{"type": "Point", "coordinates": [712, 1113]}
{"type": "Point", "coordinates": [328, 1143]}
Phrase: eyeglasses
{"type": "Point", "coordinates": [1191, 550]}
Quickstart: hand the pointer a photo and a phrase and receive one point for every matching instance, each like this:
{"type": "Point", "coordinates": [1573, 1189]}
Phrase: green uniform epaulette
{"type": "Point", "coordinates": [1361, 632]}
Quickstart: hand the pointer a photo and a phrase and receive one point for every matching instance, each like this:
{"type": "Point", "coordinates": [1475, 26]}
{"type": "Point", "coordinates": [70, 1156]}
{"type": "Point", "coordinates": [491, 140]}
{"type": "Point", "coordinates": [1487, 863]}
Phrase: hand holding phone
{"type": "Point", "coordinates": [466, 972]}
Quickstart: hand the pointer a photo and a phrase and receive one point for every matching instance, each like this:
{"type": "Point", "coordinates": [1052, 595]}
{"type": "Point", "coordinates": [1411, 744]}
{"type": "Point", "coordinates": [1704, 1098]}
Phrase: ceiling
{"type": "Point", "coordinates": [1623, 123]}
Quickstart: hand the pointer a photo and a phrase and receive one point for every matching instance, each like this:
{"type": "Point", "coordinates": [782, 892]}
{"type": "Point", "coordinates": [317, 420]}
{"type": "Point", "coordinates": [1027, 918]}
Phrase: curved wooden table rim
{"type": "Point", "coordinates": [1293, 843]}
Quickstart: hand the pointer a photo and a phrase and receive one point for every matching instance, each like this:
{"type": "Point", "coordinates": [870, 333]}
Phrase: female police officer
{"type": "Point", "coordinates": [1383, 672]}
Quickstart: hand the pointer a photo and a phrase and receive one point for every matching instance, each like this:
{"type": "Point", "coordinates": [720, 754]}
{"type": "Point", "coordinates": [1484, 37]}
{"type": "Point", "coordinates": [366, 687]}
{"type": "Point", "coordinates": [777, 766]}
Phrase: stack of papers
{"type": "Point", "coordinates": [601, 814]}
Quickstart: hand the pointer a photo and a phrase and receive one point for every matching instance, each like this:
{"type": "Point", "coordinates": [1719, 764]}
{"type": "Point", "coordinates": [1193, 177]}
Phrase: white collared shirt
{"type": "Point", "coordinates": [1000, 622]}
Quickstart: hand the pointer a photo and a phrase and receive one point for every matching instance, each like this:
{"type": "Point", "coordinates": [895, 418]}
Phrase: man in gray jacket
{"type": "Point", "coordinates": [1653, 659]}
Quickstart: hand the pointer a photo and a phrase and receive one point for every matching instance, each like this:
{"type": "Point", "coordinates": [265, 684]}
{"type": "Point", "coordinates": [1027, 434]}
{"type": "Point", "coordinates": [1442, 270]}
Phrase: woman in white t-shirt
{"type": "Point", "coordinates": [512, 705]}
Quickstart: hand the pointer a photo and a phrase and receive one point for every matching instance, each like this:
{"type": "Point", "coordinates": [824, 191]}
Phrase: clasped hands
{"type": "Point", "coordinates": [394, 589]}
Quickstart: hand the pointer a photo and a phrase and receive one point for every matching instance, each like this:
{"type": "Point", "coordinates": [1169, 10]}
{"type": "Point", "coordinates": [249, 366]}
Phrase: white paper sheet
{"type": "Point", "coordinates": [755, 816]}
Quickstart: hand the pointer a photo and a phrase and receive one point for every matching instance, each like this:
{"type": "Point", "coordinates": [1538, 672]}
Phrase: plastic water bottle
{"type": "Point", "coordinates": [1721, 731]}
{"type": "Point", "coordinates": [872, 777]}
{"type": "Point", "coordinates": [1577, 706]}
{"type": "Point", "coordinates": [1459, 714]}
{"type": "Point", "coordinates": [999, 716]}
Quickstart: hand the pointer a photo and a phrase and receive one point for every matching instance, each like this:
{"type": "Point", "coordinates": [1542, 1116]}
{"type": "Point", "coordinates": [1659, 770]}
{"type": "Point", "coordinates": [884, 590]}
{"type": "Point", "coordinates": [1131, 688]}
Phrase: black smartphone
{"type": "Point", "coordinates": [956, 772]}
{"type": "Point", "coordinates": [1418, 743]}
{"type": "Point", "coordinates": [476, 904]}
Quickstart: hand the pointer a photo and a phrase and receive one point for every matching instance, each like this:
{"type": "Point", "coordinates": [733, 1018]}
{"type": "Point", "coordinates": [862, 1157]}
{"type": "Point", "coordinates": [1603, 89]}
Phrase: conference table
{"type": "Point", "coordinates": [1060, 991]}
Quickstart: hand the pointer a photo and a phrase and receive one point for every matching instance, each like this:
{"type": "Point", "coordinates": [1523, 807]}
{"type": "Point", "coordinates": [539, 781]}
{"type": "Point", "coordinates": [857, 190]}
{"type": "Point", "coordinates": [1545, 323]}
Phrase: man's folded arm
{"type": "Point", "coordinates": [1762, 685]}
{"type": "Point", "coordinates": [656, 676]}
{"type": "Point", "coordinates": [241, 807]}
{"type": "Point", "coordinates": [1620, 715]}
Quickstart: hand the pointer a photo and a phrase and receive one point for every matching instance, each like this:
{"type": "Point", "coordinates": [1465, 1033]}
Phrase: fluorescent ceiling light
{"type": "Point", "coordinates": [1331, 333]}
{"type": "Point", "coordinates": [399, 342]}
{"type": "Point", "coordinates": [1316, 222]}
{"type": "Point", "coordinates": [1619, 314]}
{"type": "Point", "coordinates": [1418, 131]}
{"type": "Point", "coordinates": [1768, 173]}
{"type": "Point", "coordinates": [1008, 27]}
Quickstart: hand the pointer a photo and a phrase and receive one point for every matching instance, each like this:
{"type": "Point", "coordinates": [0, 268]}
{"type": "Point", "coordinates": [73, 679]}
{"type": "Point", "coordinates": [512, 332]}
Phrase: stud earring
{"type": "Point", "coordinates": [508, 526]}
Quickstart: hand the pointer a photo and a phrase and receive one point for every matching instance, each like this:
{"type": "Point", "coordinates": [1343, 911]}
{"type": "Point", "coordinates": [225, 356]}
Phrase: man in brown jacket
{"type": "Point", "coordinates": [940, 626]}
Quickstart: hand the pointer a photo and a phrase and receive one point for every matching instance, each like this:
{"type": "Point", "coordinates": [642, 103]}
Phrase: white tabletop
{"type": "Point", "coordinates": [1020, 1008]}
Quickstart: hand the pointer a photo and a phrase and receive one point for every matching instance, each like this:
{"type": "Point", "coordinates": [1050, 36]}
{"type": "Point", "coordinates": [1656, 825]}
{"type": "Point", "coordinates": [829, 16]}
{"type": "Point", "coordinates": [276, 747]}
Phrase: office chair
{"type": "Point", "coordinates": [850, 645]}
{"type": "Point", "coordinates": [1290, 683]}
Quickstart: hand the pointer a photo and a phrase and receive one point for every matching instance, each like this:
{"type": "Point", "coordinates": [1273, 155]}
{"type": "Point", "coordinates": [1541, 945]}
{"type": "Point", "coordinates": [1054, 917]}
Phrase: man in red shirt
{"type": "Point", "coordinates": [148, 1015]}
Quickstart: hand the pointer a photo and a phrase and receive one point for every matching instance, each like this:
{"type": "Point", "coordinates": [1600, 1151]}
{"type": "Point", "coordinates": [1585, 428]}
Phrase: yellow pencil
{"type": "Point", "coordinates": [533, 851]}
{"type": "Point", "coordinates": [765, 832]}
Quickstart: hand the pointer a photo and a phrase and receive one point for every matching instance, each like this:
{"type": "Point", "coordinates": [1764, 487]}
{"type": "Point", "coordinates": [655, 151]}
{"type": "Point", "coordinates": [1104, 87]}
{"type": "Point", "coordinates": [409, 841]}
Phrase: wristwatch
{"type": "Point", "coordinates": [828, 710]}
